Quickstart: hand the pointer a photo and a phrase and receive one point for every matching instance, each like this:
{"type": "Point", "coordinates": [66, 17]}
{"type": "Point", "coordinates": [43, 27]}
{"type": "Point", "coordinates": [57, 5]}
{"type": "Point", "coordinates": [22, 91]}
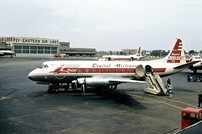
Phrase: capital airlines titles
{"type": "Point", "coordinates": [118, 65]}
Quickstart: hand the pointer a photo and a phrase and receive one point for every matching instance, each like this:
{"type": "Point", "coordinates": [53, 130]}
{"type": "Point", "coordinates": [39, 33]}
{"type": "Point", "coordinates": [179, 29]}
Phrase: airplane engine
{"type": "Point", "coordinates": [93, 82]}
{"type": "Point", "coordinates": [140, 71]}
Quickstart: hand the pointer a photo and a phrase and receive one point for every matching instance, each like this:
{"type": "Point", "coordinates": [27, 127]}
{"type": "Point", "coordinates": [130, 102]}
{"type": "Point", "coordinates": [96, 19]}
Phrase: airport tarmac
{"type": "Point", "coordinates": [26, 107]}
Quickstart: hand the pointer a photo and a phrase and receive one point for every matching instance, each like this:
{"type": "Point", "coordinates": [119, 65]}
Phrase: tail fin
{"type": "Point", "coordinates": [138, 51]}
{"type": "Point", "coordinates": [176, 55]}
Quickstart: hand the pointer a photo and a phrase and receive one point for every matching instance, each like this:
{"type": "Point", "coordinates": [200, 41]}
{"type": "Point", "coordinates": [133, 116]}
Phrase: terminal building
{"type": "Point", "coordinates": [42, 46]}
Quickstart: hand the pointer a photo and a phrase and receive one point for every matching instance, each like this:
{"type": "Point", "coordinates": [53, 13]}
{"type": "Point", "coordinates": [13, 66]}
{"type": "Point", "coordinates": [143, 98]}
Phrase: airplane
{"type": "Point", "coordinates": [108, 74]}
{"type": "Point", "coordinates": [7, 52]}
{"type": "Point", "coordinates": [197, 66]}
{"type": "Point", "coordinates": [135, 57]}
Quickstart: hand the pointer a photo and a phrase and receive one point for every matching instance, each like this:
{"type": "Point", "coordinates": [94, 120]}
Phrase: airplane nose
{"type": "Point", "coordinates": [33, 75]}
{"type": "Point", "coordinates": [36, 75]}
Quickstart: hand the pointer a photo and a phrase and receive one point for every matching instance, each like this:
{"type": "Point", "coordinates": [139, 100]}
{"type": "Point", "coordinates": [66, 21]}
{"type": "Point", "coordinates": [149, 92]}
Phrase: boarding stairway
{"type": "Point", "coordinates": [157, 85]}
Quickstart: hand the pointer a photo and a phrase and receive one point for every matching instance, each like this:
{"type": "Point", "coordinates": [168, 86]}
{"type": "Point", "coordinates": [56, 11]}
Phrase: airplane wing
{"type": "Point", "coordinates": [118, 80]}
{"type": "Point", "coordinates": [100, 80]}
{"type": "Point", "coordinates": [186, 65]}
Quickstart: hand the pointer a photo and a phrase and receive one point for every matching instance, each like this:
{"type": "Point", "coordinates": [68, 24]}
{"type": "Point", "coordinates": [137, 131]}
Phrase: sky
{"type": "Point", "coordinates": [107, 25]}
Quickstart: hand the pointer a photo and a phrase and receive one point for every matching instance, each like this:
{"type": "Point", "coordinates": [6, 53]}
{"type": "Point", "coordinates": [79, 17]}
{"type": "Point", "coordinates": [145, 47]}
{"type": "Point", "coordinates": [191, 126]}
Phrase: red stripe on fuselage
{"type": "Point", "coordinates": [102, 70]}
{"type": "Point", "coordinates": [159, 70]}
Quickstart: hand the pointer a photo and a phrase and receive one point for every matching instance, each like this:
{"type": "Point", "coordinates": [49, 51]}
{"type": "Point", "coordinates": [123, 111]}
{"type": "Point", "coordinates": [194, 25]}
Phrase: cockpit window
{"type": "Point", "coordinates": [44, 66]}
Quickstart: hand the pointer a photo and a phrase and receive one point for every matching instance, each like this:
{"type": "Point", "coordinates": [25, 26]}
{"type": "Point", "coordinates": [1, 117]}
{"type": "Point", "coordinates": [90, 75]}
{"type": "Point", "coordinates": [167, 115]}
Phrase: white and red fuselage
{"type": "Point", "coordinates": [110, 72]}
{"type": "Point", "coordinates": [64, 71]}
{"type": "Point", "coordinates": [198, 65]}
{"type": "Point", "coordinates": [134, 57]}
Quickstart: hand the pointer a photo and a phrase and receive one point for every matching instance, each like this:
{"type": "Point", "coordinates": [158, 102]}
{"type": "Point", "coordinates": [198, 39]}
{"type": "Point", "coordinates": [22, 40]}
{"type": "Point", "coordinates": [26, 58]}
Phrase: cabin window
{"type": "Point", "coordinates": [78, 70]}
{"type": "Point", "coordinates": [94, 70]}
{"type": "Point", "coordinates": [86, 70]}
{"type": "Point", "coordinates": [44, 66]}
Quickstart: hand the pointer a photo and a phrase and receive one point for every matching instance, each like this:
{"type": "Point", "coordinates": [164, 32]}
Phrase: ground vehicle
{"type": "Point", "coordinates": [57, 55]}
{"type": "Point", "coordinates": [190, 116]}
{"type": "Point", "coordinates": [194, 77]}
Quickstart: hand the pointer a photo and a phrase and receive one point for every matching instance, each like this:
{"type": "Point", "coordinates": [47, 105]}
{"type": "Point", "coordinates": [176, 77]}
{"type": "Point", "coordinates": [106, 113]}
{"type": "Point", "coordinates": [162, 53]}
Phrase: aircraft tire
{"type": "Point", "coordinates": [83, 87]}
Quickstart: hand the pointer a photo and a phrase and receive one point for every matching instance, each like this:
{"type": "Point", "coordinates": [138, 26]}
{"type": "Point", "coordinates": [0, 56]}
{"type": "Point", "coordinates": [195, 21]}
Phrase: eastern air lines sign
{"type": "Point", "coordinates": [30, 40]}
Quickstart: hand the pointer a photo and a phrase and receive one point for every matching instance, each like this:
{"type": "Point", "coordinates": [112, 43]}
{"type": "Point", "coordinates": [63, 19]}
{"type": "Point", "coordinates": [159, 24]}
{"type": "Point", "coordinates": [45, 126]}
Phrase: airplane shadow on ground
{"type": "Point", "coordinates": [119, 97]}
{"type": "Point", "coordinates": [122, 98]}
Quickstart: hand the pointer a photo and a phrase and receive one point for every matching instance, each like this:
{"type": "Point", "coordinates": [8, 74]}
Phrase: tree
{"type": "Point", "coordinates": [192, 52]}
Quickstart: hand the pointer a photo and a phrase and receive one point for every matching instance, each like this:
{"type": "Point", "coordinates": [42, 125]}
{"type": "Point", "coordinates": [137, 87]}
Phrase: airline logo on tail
{"type": "Point", "coordinates": [176, 54]}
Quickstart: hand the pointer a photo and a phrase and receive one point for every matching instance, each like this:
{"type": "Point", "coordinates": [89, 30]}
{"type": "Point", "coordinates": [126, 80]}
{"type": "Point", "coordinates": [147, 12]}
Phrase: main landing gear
{"type": "Point", "coordinates": [75, 87]}
{"type": "Point", "coordinates": [61, 87]}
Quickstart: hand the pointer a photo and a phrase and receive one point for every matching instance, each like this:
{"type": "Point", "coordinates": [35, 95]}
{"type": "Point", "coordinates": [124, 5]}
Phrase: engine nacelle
{"type": "Point", "coordinates": [93, 82]}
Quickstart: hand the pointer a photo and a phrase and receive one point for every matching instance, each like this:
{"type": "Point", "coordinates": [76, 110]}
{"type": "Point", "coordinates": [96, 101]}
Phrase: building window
{"type": "Point", "coordinates": [26, 47]}
{"type": "Point", "coordinates": [33, 49]}
{"type": "Point", "coordinates": [18, 49]}
{"type": "Point", "coordinates": [53, 50]}
{"type": "Point", "coordinates": [47, 50]}
{"type": "Point", "coordinates": [40, 49]}
{"type": "Point", "coordinates": [25, 51]}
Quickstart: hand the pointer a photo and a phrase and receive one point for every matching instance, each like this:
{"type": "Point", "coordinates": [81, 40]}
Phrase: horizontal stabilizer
{"type": "Point", "coordinates": [185, 65]}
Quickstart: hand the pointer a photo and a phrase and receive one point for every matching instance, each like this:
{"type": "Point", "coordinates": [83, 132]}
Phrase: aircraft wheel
{"type": "Point", "coordinates": [53, 87]}
{"type": "Point", "coordinates": [112, 87]}
{"type": "Point", "coordinates": [49, 90]}
{"type": "Point", "coordinates": [83, 87]}
{"type": "Point", "coordinates": [66, 87]}
{"type": "Point", "coordinates": [74, 86]}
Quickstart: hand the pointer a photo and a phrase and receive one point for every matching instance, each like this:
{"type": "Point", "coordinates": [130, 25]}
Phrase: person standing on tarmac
{"type": "Point", "coordinates": [169, 87]}
{"type": "Point", "coordinates": [168, 81]}
{"type": "Point", "coordinates": [199, 98]}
